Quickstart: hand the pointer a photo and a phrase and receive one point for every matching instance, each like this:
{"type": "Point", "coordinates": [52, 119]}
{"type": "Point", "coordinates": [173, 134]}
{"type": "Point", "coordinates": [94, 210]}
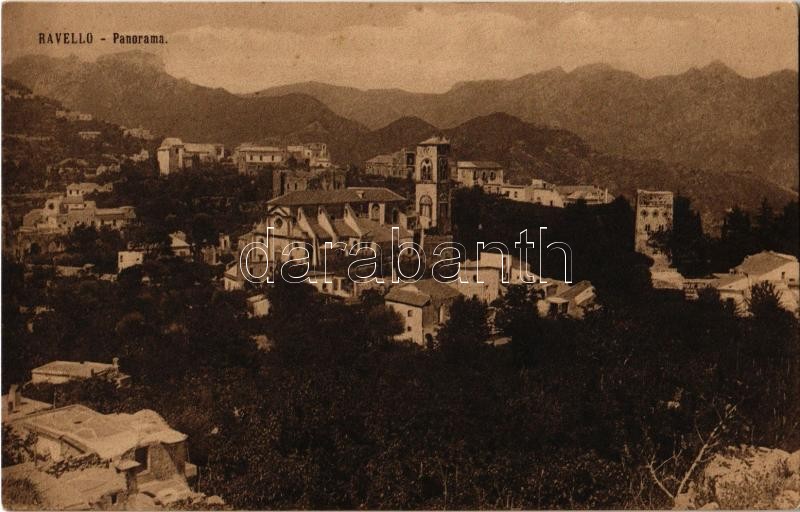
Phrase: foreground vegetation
{"type": "Point", "coordinates": [569, 414]}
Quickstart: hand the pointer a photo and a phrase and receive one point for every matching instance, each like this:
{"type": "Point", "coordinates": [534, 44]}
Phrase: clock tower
{"type": "Point", "coordinates": [432, 179]}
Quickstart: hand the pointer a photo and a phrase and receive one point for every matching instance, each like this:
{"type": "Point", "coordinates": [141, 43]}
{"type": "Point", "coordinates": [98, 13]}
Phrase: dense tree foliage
{"type": "Point", "coordinates": [696, 253]}
{"type": "Point", "coordinates": [569, 414]}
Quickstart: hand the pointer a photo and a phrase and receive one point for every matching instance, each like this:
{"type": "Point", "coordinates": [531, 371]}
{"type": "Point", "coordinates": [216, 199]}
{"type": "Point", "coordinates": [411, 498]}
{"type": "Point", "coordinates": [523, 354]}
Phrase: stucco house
{"type": "Point", "coordinates": [424, 306]}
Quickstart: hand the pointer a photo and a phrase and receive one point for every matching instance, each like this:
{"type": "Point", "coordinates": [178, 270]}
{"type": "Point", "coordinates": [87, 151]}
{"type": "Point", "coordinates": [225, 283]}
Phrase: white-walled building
{"type": "Point", "coordinates": [175, 155]}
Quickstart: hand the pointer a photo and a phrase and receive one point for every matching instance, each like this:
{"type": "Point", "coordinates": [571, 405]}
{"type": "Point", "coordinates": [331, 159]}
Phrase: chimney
{"type": "Point", "coordinates": [115, 362]}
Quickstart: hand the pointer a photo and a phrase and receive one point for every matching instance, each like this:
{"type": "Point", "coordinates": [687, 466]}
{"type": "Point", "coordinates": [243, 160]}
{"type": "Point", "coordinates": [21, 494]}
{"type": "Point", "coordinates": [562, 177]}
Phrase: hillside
{"type": "Point", "coordinates": [707, 118]}
{"type": "Point", "coordinates": [562, 157]}
{"type": "Point", "coordinates": [559, 156]}
{"type": "Point", "coordinates": [133, 89]}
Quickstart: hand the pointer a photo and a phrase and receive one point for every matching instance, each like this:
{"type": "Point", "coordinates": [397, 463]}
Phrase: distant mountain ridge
{"type": "Point", "coordinates": [708, 118]}
{"type": "Point", "coordinates": [133, 89]}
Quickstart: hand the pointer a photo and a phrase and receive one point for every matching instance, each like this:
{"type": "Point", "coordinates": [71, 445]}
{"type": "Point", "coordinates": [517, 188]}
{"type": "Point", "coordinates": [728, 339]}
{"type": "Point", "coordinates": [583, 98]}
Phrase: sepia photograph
{"type": "Point", "coordinates": [400, 256]}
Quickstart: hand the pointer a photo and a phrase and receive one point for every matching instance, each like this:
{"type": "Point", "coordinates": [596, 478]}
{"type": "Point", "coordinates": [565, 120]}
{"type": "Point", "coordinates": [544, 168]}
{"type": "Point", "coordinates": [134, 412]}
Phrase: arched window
{"type": "Point", "coordinates": [426, 207]}
{"type": "Point", "coordinates": [375, 212]}
{"type": "Point", "coordinates": [426, 170]}
{"type": "Point", "coordinates": [395, 216]}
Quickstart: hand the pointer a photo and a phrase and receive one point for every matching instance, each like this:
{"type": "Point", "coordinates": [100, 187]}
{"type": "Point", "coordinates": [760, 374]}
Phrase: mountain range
{"type": "Point", "coordinates": [708, 118]}
{"type": "Point", "coordinates": [133, 89]}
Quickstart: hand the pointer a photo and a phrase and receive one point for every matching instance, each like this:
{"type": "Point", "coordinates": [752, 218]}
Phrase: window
{"type": "Point", "coordinates": [492, 175]}
{"type": "Point", "coordinates": [140, 455]}
{"type": "Point", "coordinates": [410, 313]}
{"type": "Point", "coordinates": [375, 212]}
{"type": "Point", "coordinates": [426, 170]}
{"type": "Point", "coordinates": [426, 206]}
{"type": "Point", "coordinates": [408, 328]}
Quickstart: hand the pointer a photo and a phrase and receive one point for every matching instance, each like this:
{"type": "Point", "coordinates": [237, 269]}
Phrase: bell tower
{"type": "Point", "coordinates": [432, 179]}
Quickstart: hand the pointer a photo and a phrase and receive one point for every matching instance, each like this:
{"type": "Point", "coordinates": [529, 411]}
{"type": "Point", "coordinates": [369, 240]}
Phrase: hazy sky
{"type": "Point", "coordinates": [418, 47]}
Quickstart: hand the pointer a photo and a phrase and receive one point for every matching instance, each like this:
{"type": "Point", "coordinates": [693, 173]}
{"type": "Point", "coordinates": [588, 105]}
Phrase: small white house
{"type": "Point", "coordinates": [127, 259]}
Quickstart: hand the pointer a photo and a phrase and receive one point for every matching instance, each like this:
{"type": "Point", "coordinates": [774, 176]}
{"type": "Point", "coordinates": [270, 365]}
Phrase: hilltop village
{"type": "Point", "coordinates": [135, 226]}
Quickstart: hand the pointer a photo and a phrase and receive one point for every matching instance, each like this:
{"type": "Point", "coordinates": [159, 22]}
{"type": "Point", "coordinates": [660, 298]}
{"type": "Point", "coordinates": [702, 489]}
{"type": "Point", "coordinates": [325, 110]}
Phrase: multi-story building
{"type": "Point", "coordinates": [781, 270]}
{"type": "Point", "coordinates": [590, 195]}
{"type": "Point", "coordinates": [352, 215]}
{"type": "Point", "coordinates": [537, 192]}
{"type": "Point", "coordinates": [252, 158]}
{"type": "Point", "coordinates": [653, 214]}
{"type": "Point", "coordinates": [175, 155]}
{"type": "Point", "coordinates": [64, 213]}
{"type": "Point", "coordinates": [312, 154]}
{"type": "Point", "coordinates": [81, 189]}
{"type": "Point", "coordinates": [487, 175]}
{"type": "Point", "coordinates": [288, 180]}
{"type": "Point", "coordinates": [399, 164]}
{"type": "Point", "coordinates": [424, 306]}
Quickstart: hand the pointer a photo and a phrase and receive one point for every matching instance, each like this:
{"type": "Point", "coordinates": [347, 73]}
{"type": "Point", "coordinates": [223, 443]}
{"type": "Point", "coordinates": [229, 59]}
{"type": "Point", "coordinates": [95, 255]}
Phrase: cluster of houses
{"type": "Point", "coordinates": [175, 155]}
{"type": "Point", "coordinates": [492, 178]}
{"type": "Point", "coordinates": [42, 227]}
{"type": "Point", "coordinates": [734, 287]}
{"type": "Point", "coordinates": [250, 158]}
{"type": "Point", "coordinates": [654, 210]}
{"type": "Point", "coordinates": [377, 218]}
{"type": "Point", "coordinates": [82, 459]}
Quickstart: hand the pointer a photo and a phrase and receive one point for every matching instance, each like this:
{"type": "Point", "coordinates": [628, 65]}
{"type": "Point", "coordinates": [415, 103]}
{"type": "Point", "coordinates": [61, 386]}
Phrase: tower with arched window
{"type": "Point", "coordinates": [653, 215]}
{"type": "Point", "coordinates": [432, 178]}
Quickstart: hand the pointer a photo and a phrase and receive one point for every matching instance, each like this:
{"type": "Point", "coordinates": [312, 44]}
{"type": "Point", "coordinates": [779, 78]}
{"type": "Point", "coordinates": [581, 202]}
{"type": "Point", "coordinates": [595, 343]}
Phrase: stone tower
{"type": "Point", "coordinates": [653, 214]}
{"type": "Point", "coordinates": [432, 178]}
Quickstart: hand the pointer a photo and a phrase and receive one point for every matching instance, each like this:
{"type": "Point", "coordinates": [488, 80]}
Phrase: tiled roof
{"type": "Point", "coordinates": [342, 229]}
{"type": "Point", "coordinates": [341, 196]}
{"type": "Point", "coordinates": [763, 262]}
{"type": "Point", "coordinates": [480, 164]}
{"type": "Point", "coordinates": [434, 141]}
{"type": "Point", "coordinates": [412, 298]}
{"type": "Point", "coordinates": [727, 281]}
{"type": "Point", "coordinates": [420, 293]}
{"type": "Point", "coordinates": [169, 142]}
{"type": "Point", "coordinates": [319, 232]}
{"type": "Point", "coordinates": [381, 159]}
{"type": "Point", "coordinates": [194, 147]}
{"type": "Point", "coordinates": [573, 291]}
